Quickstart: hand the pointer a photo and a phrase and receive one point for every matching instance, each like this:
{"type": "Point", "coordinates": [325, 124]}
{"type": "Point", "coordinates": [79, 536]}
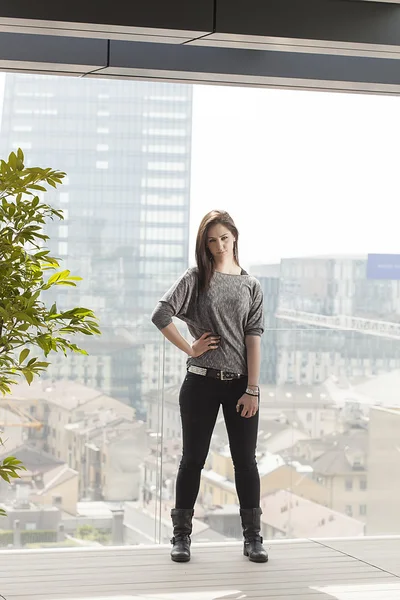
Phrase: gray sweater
{"type": "Point", "coordinates": [232, 307]}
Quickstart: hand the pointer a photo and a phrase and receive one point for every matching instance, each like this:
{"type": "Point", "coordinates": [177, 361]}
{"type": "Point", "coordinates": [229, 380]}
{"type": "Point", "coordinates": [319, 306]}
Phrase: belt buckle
{"type": "Point", "coordinates": [226, 377]}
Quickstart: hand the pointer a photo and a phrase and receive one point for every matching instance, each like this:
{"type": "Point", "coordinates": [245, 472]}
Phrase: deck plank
{"type": "Point", "coordinates": [302, 570]}
{"type": "Point", "coordinates": [383, 553]}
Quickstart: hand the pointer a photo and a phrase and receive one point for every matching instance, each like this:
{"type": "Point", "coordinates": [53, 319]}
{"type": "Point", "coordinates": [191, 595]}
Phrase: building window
{"type": "Point", "coordinates": [22, 145]}
{"type": "Point", "coordinates": [166, 166]}
{"type": "Point", "coordinates": [349, 485]}
{"type": "Point", "coordinates": [363, 484]}
{"type": "Point", "coordinates": [349, 510]}
{"type": "Point", "coordinates": [363, 510]}
{"type": "Point", "coordinates": [168, 98]}
{"type": "Point", "coordinates": [35, 94]}
{"type": "Point", "coordinates": [165, 115]}
{"type": "Point", "coordinates": [63, 231]}
{"type": "Point", "coordinates": [164, 149]}
{"type": "Point", "coordinates": [161, 132]}
{"type": "Point", "coordinates": [102, 147]}
{"type": "Point", "coordinates": [154, 234]}
{"type": "Point", "coordinates": [161, 250]}
{"type": "Point", "coordinates": [22, 128]}
{"type": "Point", "coordinates": [164, 183]}
{"type": "Point", "coordinates": [309, 417]}
{"type": "Point", "coordinates": [158, 216]}
{"type": "Point", "coordinates": [62, 248]}
{"type": "Point", "coordinates": [162, 200]}
{"type": "Point", "coordinates": [101, 164]}
{"type": "Point", "coordinates": [31, 111]}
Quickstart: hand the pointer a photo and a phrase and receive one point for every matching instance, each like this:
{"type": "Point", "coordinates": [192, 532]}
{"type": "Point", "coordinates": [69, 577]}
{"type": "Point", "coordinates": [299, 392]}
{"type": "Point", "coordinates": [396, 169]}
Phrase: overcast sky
{"type": "Point", "coordinates": [302, 173]}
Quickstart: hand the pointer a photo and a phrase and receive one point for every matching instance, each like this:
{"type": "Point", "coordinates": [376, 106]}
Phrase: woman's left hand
{"type": "Point", "coordinates": [247, 406]}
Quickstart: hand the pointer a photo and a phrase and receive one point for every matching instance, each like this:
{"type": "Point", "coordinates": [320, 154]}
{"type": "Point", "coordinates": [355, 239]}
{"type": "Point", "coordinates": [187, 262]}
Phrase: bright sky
{"type": "Point", "coordinates": [302, 173]}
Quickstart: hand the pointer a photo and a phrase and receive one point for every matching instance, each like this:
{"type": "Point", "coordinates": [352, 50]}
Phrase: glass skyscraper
{"type": "Point", "coordinates": [126, 149]}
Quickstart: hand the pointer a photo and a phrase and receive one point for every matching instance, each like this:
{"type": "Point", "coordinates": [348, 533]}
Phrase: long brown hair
{"type": "Point", "coordinates": [204, 259]}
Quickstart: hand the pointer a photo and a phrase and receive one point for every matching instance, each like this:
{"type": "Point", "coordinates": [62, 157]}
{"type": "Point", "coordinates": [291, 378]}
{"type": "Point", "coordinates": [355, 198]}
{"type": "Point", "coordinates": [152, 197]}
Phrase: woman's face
{"type": "Point", "coordinates": [220, 242]}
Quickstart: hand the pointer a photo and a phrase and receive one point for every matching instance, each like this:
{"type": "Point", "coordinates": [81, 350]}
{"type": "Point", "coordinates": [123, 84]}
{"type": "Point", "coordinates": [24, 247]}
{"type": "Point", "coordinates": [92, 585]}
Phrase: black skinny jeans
{"type": "Point", "coordinates": [200, 398]}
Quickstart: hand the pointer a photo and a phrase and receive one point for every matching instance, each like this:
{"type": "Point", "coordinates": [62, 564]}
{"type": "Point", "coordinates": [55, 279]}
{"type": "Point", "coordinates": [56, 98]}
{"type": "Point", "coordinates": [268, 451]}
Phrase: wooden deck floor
{"type": "Point", "coordinates": [363, 569]}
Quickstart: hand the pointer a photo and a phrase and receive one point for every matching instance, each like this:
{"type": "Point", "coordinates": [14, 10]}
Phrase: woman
{"type": "Point", "coordinates": [223, 308]}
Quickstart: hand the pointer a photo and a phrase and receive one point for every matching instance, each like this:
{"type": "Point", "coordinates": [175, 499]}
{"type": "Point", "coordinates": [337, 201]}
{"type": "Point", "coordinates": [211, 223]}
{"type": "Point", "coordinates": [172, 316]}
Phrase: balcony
{"type": "Point", "coordinates": [90, 517]}
{"type": "Point", "coordinates": [341, 569]}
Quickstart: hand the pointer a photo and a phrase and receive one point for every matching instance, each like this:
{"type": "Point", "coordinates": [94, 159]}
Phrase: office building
{"type": "Point", "coordinates": [334, 320]}
{"type": "Point", "coordinates": [126, 149]}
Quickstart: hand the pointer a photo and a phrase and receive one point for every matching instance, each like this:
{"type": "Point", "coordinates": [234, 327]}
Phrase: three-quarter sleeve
{"type": "Point", "coordinates": [162, 315]}
{"type": "Point", "coordinates": [255, 320]}
{"type": "Point", "coordinates": [175, 302]}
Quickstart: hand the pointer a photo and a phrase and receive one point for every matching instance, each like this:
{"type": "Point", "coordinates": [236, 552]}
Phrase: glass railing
{"type": "Point", "coordinates": [102, 472]}
{"type": "Point", "coordinates": [328, 440]}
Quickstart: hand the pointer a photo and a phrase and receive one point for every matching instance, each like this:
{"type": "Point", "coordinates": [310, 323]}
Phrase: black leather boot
{"type": "Point", "coordinates": [253, 543]}
{"type": "Point", "coordinates": [182, 522]}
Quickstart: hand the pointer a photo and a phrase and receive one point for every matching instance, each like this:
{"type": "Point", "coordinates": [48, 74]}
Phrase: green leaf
{"type": "Point", "coordinates": [65, 274]}
{"type": "Point", "coordinates": [53, 278]}
{"type": "Point", "coordinates": [28, 376]}
{"type": "Point", "coordinates": [12, 159]}
{"type": "Point", "coordinates": [43, 343]}
{"type": "Point", "coordinates": [11, 460]}
{"type": "Point", "coordinates": [23, 355]}
{"type": "Point", "coordinates": [64, 282]}
{"type": "Point", "coordinates": [39, 188]}
{"type": "Point", "coordinates": [24, 317]}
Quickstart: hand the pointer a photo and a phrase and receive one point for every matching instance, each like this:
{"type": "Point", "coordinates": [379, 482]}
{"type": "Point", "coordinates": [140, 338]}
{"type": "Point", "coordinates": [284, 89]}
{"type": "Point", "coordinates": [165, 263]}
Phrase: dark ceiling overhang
{"type": "Point", "coordinates": [350, 45]}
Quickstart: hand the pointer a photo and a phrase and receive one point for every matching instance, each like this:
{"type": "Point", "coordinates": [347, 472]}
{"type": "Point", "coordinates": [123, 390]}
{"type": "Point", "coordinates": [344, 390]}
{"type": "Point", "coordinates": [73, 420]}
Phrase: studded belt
{"type": "Point", "coordinates": [215, 373]}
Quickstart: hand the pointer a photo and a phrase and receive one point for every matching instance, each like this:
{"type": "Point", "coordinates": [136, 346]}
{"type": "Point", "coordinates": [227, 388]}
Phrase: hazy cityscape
{"type": "Point", "coordinates": [100, 435]}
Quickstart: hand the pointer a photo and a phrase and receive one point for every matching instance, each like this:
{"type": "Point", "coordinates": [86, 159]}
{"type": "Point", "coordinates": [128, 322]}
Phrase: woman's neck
{"type": "Point", "coordinates": [228, 268]}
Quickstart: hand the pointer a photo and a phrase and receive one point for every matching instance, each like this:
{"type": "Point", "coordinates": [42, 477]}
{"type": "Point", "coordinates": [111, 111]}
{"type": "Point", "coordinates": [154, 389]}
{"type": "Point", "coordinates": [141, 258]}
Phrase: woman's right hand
{"type": "Point", "coordinates": [207, 342]}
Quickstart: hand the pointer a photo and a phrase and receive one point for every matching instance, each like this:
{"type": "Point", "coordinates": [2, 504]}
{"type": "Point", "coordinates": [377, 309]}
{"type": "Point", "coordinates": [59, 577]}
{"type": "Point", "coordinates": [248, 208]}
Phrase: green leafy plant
{"type": "Point", "coordinates": [27, 325]}
{"type": "Point", "coordinates": [90, 533]}
{"type": "Point", "coordinates": [9, 470]}
{"type": "Point", "coordinates": [38, 536]}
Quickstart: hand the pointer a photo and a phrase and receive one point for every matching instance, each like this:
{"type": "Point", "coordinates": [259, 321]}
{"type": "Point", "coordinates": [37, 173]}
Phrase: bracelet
{"type": "Point", "coordinates": [251, 392]}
